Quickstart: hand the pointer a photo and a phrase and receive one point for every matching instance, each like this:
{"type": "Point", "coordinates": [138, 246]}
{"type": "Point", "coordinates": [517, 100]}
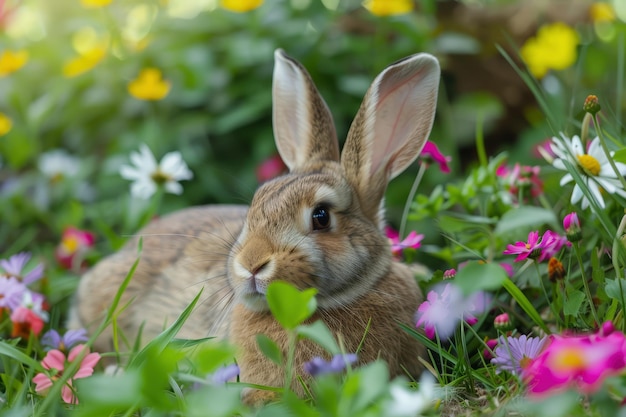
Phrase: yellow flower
{"type": "Point", "coordinates": [554, 47]}
{"type": "Point", "coordinates": [241, 6]}
{"type": "Point", "coordinates": [11, 61]}
{"type": "Point", "coordinates": [149, 85]}
{"type": "Point", "coordinates": [84, 62]}
{"type": "Point", "coordinates": [5, 124]}
{"type": "Point", "coordinates": [601, 12]}
{"type": "Point", "coordinates": [95, 4]}
{"type": "Point", "coordinates": [388, 7]}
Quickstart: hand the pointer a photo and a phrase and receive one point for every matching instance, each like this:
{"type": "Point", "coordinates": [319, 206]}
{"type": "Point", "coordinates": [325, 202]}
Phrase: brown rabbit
{"type": "Point", "coordinates": [318, 226]}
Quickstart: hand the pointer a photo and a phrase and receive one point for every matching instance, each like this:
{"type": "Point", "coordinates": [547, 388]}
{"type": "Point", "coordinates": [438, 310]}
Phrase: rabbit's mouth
{"type": "Point", "coordinates": [255, 301]}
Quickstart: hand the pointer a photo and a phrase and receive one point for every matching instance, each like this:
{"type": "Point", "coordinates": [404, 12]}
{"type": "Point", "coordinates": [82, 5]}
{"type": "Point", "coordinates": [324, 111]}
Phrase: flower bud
{"type": "Point", "coordinates": [572, 227]}
{"type": "Point", "coordinates": [502, 322]}
{"type": "Point", "coordinates": [591, 105]}
{"type": "Point", "coordinates": [449, 273]}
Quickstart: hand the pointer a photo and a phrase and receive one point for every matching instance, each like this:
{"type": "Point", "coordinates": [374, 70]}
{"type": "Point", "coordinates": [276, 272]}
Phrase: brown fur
{"type": "Point", "coordinates": [234, 253]}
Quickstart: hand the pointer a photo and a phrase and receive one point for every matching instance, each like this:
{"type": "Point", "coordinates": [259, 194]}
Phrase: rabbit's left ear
{"type": "Point", "coordinates": [303, 126]}
{"type": "Point", "coordinates": [391, 127]}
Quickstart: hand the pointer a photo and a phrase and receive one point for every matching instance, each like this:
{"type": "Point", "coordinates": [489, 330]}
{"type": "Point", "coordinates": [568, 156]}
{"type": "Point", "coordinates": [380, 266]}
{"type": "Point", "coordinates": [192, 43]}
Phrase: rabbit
{"type": "Point", "coordinates": [320, 225]}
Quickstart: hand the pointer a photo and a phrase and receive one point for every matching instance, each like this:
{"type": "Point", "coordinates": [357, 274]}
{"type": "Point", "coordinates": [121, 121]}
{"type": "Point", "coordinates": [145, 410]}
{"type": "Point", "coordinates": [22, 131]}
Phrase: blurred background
{"type": "Point", "coordinates": [75, 99]}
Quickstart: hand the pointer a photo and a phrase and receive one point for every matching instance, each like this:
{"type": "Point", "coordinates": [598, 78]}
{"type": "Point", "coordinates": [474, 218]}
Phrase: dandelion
{"type": "Point", "coordinates": [270, 168]}
{"type": "Point", "coordinates": [413, 241]}
{"type": "Point", "coordinates": [84, 62]}
{"type": "Point", "coordinates": [5, 124]}
{"type": "Point", "coordinates": [513, 354]}
{"type": "Point", "coordinates": [56, 363]}
{"type": "Point", "coordinates": [11, 61]}
{"type": "Point", "coordinates": [593, 167]}
{"type": "Point", "coordinates": [147, 175]}
{"type": "Point", "coordinates": [554, 47]}
{"type": "Point", "coordinates": [149, 85]}
{"type": "Point", "coordinates": [431, 153]}
{"type": "Point", "coordinates": [318, 366]}
{"type": "Point", "coordinates": [74, 244]}
{"type": "Point", "coordinates": [388, 7]}
{"type": "Point", "coordinates": [14, 266]}
{"type": "Point", "coordinates": [95, 4]}
{"type": "Point", "coordinates": [445, 307]}
{"type": "Point", "coordinates": [240, 6]}
{"type": "Point", "coordinates": [580, 362]}
{"type": "Point", "coordinates": [534, 248]}
{"type": "Point", "coordinates": [53, 340]}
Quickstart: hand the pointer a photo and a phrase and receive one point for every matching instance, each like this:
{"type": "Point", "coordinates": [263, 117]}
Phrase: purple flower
{"type": "Point", "coordinates": [318, 366]}
{"type": "Point", "coordinates": [431, 153]}
{"type": "Point", "coordinates": [224, 374]}
{"type": "Point", "coordinates": [11, 292]}
{"type": "Point", "coordinates": [446, 306]}
{"type": "Point", "coordinates": [53, 340]}
{"type": "Point", "coordinates": [513, 354]}
{"type": "Point", "coordinates": [16, 263]}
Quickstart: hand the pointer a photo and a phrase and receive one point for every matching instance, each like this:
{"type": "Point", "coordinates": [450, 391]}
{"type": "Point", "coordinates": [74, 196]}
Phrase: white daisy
{"type": "Point", "coordinates": [410, 403]}
{"type": "Point", "coordinates": [58, 164]}
{"type": "Point", "coordinates": [593, 166]}
{"type": "Point", "coordinates": [147, 175]}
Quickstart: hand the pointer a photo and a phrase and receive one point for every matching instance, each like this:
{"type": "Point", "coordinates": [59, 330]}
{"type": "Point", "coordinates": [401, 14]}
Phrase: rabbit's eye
{"type": "Point", "coordinates": [321, 218]}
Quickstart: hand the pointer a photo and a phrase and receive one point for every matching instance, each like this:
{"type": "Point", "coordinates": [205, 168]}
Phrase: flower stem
{"type": "Point", "coordinates": [292, 339]}
{"type": "Point", "coordinates": [555, 313]}
{"type": "Point", "coordinates": [409, 201]}
{"type": "Point", "coordinates": [585, 283]}
{"type": "Point", "coordinates": [480, 141]}
{"type": "Point", "coordinates": [596, 124]}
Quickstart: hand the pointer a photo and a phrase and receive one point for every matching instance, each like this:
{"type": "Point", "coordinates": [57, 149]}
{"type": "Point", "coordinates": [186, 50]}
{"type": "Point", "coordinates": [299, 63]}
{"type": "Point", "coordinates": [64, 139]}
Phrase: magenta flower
{"type": "Point", "coordinates": [445, 307]}
{"type": "Point", "coordinates": [554, 244]}
{"type": "Point", "coordinates": [522, 180]}
{"type": "Point", "coordinates": [534, 248]}
{"type": "Point", "coordinates": [15, 264]}
{"type": "Point", "coordinates": [514, 354]}
{"type": "Point", "coordinates": [581, 362]}
{"type": "Point", "coordinates": [488, 351]}
{"type": "Point", "coordinates": [74, 244]}
{"type": "Point", "coordinates": [432, 153]}
{"type": "Point", "coordinates": [270, 168]}
{"type": "Point", "coordinates": [572, 227]}
{"type": "Point", "coordinates": [56, 363]}
{"type": "Point", "coordinates": [413, 240]}
{"type": "Point", "coordinates": [318, 366]}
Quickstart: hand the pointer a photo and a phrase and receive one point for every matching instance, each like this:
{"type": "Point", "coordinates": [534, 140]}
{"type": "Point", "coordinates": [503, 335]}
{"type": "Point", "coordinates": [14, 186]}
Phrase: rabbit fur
{"type": "Point", "coordinates": [320, 225]}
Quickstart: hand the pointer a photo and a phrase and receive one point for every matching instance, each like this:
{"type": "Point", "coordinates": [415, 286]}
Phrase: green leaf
{"type": "Point", "coordinates": [320, 334]}
{"type": "Point", "coordinates": [290, 306]}
{"type": "Point", "coordinates": [525, 304]}
{"type": "Point", "coordinates": [616, 289]}
{"type": "Point", "coordinates": [477, 276]}
{"type": "Point", "coordinates": [519, 221]}
{"type": "Point", "coordinates": [270, 349]}
{"type": "Point", "coordinates": [14, 353]}
{"type": "Point", "coordinates": [101, 395]}
{"type": "Point", "coordinates": [372, 382]}
{"type": "Point", "coordinates": [620, 156]}
{"type": "Point", "coordinates": [571, 307]}
{"type": "Point", "coordinates": [209, 401]}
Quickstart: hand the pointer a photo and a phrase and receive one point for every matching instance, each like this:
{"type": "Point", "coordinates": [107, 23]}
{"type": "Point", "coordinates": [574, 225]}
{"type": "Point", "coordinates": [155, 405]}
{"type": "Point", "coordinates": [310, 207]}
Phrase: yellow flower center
{"type": "Point", "coordinates": [524, 362]}
{"type": "Point", "coordinates": [70, 244]}
{"type": "Point", "coordinates": [159, 177]}
{"type": "Point", "coordinates": [569, 359]}
{"type": "Point", "coordinates": [589, 164]}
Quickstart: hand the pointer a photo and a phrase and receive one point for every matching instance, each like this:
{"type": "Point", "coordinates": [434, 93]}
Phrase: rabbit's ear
{"type": "Point", "coordinates": [303, 125]}
{"type": "Point", "coordinates": [391, 127]}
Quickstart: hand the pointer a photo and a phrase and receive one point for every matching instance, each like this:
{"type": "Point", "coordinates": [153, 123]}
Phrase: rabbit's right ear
{"type": "Point", "coordinates": [303, 126]}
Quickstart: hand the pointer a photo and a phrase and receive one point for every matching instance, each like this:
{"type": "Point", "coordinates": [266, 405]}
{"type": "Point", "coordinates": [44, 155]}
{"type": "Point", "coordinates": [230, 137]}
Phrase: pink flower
{"type": "Point", "coordinates": [534, 248]}
{"type": "Point", "coordinates": [446, 306]}
{"type": "Point", "coordinates": [413, 240]}
{"type": "Point", "coordinates": [431, 153]}
{"type": "Point", "coordinates": [582, 362]}
{"type": "Point", "coordinates": [488, 351]}
{"type": "Point", "coordinates": [554, 244]}
{"type": "Point", "coordinates": [522, 181]}
{"type": "Point", "coordinates": [56, 363]}
{"type": "Point", "coordinates": [74, 244]}
{"type": "Point", "coordinates": [29, 316]}
{"type": "Point", "coordinates": [270, 168]}
{"type": "Point", "coordinates": [572, 227]}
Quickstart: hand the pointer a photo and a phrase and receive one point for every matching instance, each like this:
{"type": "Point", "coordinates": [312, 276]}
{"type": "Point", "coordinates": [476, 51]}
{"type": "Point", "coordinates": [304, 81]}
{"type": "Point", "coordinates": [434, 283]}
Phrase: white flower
{"type": "Point", "coordinates": [147, 175]}
{"type": "Point", "coordinates": [57, 164]}
{"type": "Point", "coordinates": [409, 403]}
{"type": "Point", "coordinates": [593, 167]}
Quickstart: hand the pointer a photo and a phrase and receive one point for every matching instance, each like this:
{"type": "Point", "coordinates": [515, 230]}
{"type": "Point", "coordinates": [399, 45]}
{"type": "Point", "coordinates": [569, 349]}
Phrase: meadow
{"type": "Point", "coordinates": [116, 112]}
